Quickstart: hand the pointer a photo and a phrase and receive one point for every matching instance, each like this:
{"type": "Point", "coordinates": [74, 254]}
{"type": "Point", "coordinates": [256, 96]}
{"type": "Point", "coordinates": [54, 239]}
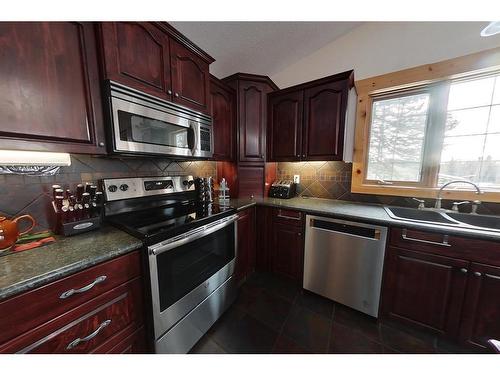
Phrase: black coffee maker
{"type": "Point", "coordinates": [204, 187]}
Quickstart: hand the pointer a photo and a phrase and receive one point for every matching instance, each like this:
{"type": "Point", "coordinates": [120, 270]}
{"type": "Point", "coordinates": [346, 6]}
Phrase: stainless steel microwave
{"type": "Point", "coordinates": [145, 125]}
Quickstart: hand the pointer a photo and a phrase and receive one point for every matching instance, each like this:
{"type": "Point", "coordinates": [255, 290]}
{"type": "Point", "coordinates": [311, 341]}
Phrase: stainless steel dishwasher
{"type": "Point", "coordinates": [344, 261]}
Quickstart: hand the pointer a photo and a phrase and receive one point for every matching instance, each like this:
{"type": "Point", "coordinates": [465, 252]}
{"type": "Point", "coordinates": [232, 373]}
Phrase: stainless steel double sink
{"type": "Point", "coordinates": [446, 218]}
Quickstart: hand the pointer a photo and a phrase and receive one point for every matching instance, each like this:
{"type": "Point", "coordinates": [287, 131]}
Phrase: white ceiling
{"type": "Point", "coordinates": [260, 47]}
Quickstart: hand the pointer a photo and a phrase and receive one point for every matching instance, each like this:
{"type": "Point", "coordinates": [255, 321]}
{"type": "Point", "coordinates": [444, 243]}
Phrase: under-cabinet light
{"type": "Point", "coordinates": [492, 29]}
{"type": "Point", "coordinates": [35, 158]}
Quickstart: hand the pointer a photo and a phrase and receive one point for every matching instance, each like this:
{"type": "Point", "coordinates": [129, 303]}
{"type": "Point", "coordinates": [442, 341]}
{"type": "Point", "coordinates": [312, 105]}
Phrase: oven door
{"type": "Point", "coordinates": [141, 129]}
{"type": "Point", "coordinates": [188, 268]}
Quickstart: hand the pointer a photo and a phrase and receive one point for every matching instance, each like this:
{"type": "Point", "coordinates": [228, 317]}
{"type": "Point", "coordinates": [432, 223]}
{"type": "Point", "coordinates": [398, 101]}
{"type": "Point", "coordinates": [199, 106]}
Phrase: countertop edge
{"type": "Point", "coordinates": [463, 232]}
{"type": "Point", "coordinates": [44, 279]}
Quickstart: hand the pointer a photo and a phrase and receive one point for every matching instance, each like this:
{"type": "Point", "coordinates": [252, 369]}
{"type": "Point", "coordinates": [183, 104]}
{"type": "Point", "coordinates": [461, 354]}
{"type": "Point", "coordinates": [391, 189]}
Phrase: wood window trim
{"type": "Point", "coordinates": [423, 75]}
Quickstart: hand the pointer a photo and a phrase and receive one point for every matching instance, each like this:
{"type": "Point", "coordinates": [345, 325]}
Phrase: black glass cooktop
{"type": "Point", "coordinates": [157, 224]}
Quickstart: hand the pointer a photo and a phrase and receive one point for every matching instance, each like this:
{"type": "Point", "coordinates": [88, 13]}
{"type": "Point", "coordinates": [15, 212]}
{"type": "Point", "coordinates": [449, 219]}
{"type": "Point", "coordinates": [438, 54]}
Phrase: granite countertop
{"type": "Point", "coordinates": [32, 268]}
{"type": "Point", "coordinates": [361, 212]}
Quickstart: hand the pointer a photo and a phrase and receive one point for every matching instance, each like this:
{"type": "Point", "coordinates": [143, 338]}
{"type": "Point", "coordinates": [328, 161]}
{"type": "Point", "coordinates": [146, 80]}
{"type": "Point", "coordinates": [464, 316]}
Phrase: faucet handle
{"type": "Point", "coordinates": [421, 203]}
{"type": "Point", "coordinates": [475, 204]}
{"type": "Point", "coordinates": [456, 204]}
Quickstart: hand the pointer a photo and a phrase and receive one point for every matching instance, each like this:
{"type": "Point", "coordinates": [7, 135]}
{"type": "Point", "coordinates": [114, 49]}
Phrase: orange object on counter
{"type": "Point", "coordinates": [34, 244]}
{"type": "Point", "coordinates": [9, 231]}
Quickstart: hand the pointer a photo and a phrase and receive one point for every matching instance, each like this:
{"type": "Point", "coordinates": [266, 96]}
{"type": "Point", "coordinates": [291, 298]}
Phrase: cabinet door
{"type": "Point", "coordinates": [245, 256]}
{"type": "Point", "coordinates": [252, 118]}
{"type": "Point", "coordinates": [324, 109]}
{"type": "Point", "coordinates": [50, 87]}
{"type": "Point", "coordinates": [285, 126]}
{"type": "Point", "coordinates": [288, 251]}
{"type": "Point", "coordinates": [137, 55]}
{"type": "Point", "coordinates": [251, 181]}
{"type": "Point", "coordinates": [222, 109]}
{"type": "Point", "coordinates": [424, 289]}
{"type": "Point", "coordinates": [190, 78]}
{"type": "Point", "coordinates": [481, 316]}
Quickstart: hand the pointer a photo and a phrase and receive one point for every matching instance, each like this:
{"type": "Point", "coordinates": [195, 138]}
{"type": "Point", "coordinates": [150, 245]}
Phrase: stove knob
{"type": "Point", "coordinates": [123, 187]}
{"type": "Point", "coordinates": [112, 188]}
{"type": "Point", "coordinates": [188, 183]}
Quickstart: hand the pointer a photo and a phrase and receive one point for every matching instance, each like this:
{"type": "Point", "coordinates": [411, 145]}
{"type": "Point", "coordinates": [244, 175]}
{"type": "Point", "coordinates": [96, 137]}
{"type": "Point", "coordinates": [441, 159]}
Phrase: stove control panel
{"type": "Point", "coordinates": [158, 185]}
{"type": "Point", "coordinates": [136, 187]}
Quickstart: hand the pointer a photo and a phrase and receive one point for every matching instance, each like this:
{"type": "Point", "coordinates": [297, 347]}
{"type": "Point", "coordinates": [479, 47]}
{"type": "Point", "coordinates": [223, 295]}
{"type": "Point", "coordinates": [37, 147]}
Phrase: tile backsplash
{"type": "Point", "coordinates": [332, 180]}
{"type": "Point", "coordinates": [32, 194]}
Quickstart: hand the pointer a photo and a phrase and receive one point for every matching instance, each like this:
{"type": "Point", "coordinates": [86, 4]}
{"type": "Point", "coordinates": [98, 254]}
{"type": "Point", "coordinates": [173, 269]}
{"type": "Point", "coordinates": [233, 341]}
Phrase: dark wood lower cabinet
{"type": "Point", "coordinates": [288, 251]}
{"type": "Point", "coordinates": [246, 255]}
{"type": "Point", "coordinates": [287, 246]}
{"type": "Point", "coordinates": [96, 320]}
{"type": "Point", "coordinates": [443, 286]}
{"type": "Point", "coordinates": [481, 313]}
{"type": "Point", "coordinates": [425, 290]}
{"type": "Point", "coordinates": [129, 341]}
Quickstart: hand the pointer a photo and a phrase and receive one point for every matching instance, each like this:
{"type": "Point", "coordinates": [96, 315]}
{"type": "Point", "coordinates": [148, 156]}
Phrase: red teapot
{"type": "Point", "coordinates": [9, 231]}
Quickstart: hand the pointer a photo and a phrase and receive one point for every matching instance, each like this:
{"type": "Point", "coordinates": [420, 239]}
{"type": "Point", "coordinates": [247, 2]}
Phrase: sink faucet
{"type": "Point", "coordinates": [439, 198]}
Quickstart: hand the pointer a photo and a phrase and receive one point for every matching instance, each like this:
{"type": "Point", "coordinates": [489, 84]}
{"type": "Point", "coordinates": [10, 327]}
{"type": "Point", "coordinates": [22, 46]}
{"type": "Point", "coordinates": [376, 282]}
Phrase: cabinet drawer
{"type": "Point", "coordinates": [281, 215]}
{"type": "Point", "coordinates": [474, 250]}
{"type": "Point", "coordinates": [84, 328]}
{"type": "Point", "coordinates": [24, 312]}
{"type": "Point", "coordinates": [131, 340]}
{"type": "Point", "coordinates": [418, 240]}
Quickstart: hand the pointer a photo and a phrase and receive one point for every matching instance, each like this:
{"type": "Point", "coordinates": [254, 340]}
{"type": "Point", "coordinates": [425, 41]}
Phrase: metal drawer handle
{"type": "Point", "coordinates": [70, 292]}
{"type": "Point", "coordinates": [77, 342]}
{"type": "Point", "coordinates": [289, 217]}
{"type": "Point", "coordinates": [404, 235]}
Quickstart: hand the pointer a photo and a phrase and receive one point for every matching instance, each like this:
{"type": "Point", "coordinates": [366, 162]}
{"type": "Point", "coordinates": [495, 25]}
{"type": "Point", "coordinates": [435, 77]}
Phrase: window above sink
{"type": "Point", "coordinates": [420, 128]}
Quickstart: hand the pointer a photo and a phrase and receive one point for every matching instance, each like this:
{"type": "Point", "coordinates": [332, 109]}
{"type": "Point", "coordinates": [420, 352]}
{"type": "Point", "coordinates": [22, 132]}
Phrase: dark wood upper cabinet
{"type": "Point", "coordinates": [190, 78]}
{"type": "Point", "coordinates": [154, 58]}
{"type": "Point", "coordinates": [306, 122]}
{"type": "Point", "coordinates": [285, 126]}
{"type": "Point", "coordinates": [481, 316]}
{"type": "Point", "coordinates": [222, 110]}
{"type": "Point", "coordinates": [324, 120]}
{"type": "Point", "coordinates": [137, 54]}
{"type": "Point", "coordinates": [251, 91]}
{"type": "Point", "coordinates": [425, 290]}
{"type": "Point", "coordinates": [50, 87]}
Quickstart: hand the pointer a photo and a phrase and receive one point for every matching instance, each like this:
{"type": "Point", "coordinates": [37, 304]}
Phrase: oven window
{"type": "Point", "coordinates": [135, 128]}
{"type": "Point", "coordinates": [183, 268]}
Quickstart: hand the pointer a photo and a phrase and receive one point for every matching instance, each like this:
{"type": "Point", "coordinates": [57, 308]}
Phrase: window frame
{"type": "Point", "coordinates": [435, 79]}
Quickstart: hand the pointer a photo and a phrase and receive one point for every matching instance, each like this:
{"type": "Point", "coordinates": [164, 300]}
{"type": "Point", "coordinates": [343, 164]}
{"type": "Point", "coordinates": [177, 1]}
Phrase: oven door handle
{"type": "Point", "coordinates": [191, 236]}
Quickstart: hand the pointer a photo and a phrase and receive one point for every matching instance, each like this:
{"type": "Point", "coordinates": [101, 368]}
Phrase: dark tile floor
{"type": "Point", "coordinates": [272, 315]}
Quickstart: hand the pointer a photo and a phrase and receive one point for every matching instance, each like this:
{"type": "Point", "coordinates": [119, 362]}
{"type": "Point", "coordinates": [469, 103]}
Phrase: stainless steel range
{"type": "Point", "coordinates": [190, 250]}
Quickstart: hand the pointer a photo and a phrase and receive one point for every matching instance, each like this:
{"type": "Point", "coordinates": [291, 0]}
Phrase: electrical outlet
{"type": "Point", "coordinates": [296, 178]}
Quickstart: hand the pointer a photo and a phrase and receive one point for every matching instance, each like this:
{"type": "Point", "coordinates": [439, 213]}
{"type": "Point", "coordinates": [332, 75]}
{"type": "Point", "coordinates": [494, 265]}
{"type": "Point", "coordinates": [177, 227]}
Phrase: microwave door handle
{"type": "Point", "coordinates": [193, 137]}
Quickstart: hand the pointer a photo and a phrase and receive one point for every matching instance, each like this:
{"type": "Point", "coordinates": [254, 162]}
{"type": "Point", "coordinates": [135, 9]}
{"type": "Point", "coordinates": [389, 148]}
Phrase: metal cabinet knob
{"type": "Point", "coordinates": [169, 92]}
{"type": "Point", "coordinates": [176, 94]}
{"type": "Point", "coordinates": [477, 274]}
{"type": "Point", "coordinates": [101, 144]}
{"type": "Point", "coordinates": [463, 270]}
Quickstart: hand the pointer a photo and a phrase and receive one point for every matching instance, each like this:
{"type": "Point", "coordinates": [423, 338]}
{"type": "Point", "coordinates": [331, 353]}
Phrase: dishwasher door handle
{"type": "Point", "coordinates": [345, 228]}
